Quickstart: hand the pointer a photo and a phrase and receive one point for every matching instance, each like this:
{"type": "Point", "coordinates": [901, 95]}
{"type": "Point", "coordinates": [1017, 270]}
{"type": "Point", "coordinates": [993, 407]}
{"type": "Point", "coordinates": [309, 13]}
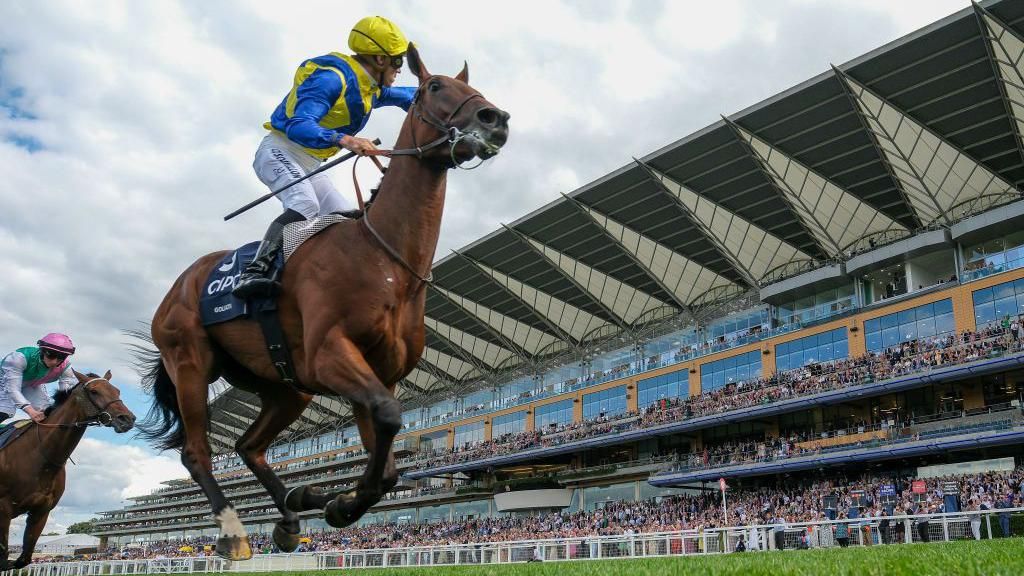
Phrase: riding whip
{"type": "Point", "coordinates": [266, 197]}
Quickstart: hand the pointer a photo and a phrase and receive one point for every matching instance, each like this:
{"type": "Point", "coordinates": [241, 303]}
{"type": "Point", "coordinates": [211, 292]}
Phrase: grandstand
{"type": "Point", "coordinates": [820, 295]}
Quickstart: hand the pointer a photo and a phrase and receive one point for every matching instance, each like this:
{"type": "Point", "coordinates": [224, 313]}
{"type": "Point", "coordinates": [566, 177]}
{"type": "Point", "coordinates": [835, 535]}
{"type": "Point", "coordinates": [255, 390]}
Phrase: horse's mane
{"type": "Point", "coordinates": [61, 395]}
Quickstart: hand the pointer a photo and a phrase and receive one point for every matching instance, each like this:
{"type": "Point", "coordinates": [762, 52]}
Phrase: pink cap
{"type": "Point", "coordinates": [57, 342]}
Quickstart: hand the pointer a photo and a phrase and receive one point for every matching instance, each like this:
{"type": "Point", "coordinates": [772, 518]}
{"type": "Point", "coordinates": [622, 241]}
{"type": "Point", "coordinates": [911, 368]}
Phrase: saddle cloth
{"type": "Point", "coordinates": [11, 431]}
{"type": "Point", "coordinates": [217, 304]}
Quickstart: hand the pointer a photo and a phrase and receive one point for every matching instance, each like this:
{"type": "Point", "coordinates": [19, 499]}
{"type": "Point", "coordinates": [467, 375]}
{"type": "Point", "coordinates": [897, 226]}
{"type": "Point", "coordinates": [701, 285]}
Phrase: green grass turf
{"type": "Point", "coordinates": [985, 558]}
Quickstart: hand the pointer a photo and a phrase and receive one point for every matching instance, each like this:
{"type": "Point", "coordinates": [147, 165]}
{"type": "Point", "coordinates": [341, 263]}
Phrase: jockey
{"type": "Point", "coordinates": [329, 103]}
{"type": "Point", "coordinates": [24, 372]}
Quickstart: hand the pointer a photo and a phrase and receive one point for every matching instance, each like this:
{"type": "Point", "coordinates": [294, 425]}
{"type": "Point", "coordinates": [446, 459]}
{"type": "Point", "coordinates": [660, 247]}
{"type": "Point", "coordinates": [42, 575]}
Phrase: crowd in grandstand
{"type": "Point", "coordinates": [906, 358]}
{"type": "Point", "coordinates": [792, 502]}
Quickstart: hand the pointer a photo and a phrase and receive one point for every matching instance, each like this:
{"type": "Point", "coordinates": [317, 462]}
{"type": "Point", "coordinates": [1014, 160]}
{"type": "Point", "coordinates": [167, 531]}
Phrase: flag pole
{"type": "Point", "coordinates": [725, 511]}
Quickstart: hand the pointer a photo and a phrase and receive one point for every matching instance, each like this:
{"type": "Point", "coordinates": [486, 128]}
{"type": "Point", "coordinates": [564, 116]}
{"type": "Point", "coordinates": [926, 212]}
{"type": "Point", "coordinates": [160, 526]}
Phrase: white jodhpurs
{"type": "Point", "coordinates": [280, 161]}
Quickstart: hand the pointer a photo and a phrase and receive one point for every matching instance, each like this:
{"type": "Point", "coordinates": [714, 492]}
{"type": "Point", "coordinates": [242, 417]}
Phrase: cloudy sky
{"type": "Point", "coordinates": [127, 130]}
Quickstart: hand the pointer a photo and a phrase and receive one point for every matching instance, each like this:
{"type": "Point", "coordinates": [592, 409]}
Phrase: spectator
{"type": "Point", "coordinates": [1004, 517]}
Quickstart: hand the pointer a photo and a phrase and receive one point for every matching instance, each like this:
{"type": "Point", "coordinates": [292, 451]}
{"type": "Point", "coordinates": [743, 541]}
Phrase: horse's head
{"type": "Point", "coordinates": [101, 401]}
{"type": "Point", "coordinates": [446, 105]}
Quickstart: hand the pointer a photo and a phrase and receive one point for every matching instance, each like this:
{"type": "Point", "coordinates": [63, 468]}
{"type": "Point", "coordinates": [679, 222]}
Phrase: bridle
{"type": "Point", "coordinates": [98, 415]}
{"type": "Point", "coordinates": [450, 135]}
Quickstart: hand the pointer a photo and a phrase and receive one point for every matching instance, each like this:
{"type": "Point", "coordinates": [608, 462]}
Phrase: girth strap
{"type": "Point", "coordinates": [265, 313]}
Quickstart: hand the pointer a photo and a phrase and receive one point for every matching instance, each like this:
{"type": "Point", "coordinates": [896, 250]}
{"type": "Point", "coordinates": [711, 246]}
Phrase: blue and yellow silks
{"type": "Point", "coordinates": [332, 95]}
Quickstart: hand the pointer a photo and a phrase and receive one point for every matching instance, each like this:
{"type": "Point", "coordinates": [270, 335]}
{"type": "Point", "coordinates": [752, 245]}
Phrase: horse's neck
{"type": "Point", "coordinates": [407, 211]}
{"type": "Point", "coordinates": [61, 437]}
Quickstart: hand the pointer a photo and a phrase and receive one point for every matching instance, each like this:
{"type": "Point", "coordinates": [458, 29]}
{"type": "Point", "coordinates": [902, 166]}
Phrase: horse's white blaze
{"type": "Point", "coordinates": [229, 523]}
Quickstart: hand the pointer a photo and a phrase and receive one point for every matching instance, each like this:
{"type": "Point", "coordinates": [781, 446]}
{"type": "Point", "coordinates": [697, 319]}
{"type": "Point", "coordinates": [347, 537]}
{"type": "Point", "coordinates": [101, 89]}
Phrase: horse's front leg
{"type": "Point", "coordinates": [341, 368]}
{"type": "Point", "coordinates": [34, 525]}
{"type": "Point", "coordinates": [5, 527]}
{"type": "Point", "coordinates": [189, 370]}
{"type": "Point", "coordinates": [279, 407]}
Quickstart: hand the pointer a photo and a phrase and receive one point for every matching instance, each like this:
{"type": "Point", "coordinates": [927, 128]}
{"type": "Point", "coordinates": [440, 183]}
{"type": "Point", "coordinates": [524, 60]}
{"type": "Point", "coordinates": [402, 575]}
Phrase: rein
{"type": "Point", "coordinates": [450, 135]}
{"type": "Point", "coordinates": [99, 418]}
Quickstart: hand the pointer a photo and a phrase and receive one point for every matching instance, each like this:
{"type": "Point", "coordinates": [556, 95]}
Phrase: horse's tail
{"type": "Point", "coordinates": [162, 424]}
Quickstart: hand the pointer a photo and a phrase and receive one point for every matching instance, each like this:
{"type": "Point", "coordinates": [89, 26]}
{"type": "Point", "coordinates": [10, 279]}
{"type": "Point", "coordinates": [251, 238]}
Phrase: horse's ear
{"type": "Point", "coordinates": [415, 64]}
{"type": "Point", "coordinates": [81, 377]}
{"type": "Point", "coordinates": [107, 376]}
{"type": "Point", "coordinates": [464, 75]}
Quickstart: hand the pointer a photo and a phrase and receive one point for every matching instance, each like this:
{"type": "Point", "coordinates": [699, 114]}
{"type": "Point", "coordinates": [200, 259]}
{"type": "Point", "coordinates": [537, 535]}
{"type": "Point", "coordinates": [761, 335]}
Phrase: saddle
{"type": "Point", "coordinates": [12, 431]}
{"type": "Point", "coordinates": [217, 304]}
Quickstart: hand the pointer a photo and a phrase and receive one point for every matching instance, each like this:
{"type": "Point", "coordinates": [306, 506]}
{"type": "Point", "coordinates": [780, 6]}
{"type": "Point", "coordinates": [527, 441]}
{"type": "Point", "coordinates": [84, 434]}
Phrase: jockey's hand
{"type": "Point", "coordinates": [360, 146]}
{"type": "Point", "coordinates": [35, 415]}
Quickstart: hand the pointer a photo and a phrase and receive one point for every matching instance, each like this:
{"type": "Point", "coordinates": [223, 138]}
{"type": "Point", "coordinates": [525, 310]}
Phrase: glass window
{"type": "Point", "coordinates": [982, 296]}
{"type": "Point", "coordinates": [553, 415]}
{"type": "Point", "coordinates": [734, 369]}
{"type": "Point", "coordinates": [610, 402]}
{"type": "Point", "coordinates": [508, 424]}
{"type": "Point", "coordinates": [469, 434]}
{"type": "Point", "coordinates": [472, 509]}
{"type": "Point", "coordinates": [664, 387]}
{"type": "Point", "coordinates": [824, 347]}
{"type": "Point", "coordinates": [998, 302]}
{"type": "Point", "coordinates": [597, 497]}
{"type": "Point", "coordinates": [1003, 290]}
{"type": "Point", "coordinates": [921, 322]}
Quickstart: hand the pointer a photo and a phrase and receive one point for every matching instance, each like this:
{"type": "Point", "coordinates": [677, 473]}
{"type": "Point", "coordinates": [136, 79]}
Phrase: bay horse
{"type": "Point", "coordinates": [352, 311]}
{"type": "Point", "coordinates": [32, 476]}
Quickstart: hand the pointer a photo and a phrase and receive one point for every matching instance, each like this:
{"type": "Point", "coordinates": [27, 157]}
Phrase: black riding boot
{"type": "Point", "coordinates": [256, 279]}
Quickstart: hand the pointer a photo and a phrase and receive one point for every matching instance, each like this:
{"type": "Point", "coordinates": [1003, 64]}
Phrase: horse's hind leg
{"type": "Point", "coordinates": [190, 368]}
{"type": "Point", "coordinates": [341, 367]}
{"type": "Point", "coordinates": [279, 407]}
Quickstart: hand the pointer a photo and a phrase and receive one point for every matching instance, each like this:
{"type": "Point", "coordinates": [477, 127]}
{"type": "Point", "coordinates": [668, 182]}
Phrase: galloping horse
{"type": "Point", "coordinates": [351, 307]}
{"type": "Point", "coordinates": [32, 466]}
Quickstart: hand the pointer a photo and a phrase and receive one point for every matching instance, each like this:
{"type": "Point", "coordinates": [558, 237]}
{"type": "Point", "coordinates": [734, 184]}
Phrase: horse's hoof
{"type": "Point", "coordinates": [234, 547]}
{"type": "Point", "coordinates": [340, 515]}
{"type": "Point", "coordinates": [285, 540]}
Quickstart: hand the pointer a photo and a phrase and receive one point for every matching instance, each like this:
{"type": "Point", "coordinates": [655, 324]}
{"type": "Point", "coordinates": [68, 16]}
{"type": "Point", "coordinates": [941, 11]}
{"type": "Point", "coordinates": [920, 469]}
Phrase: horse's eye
{"type": "Point", "coordinates": [434, 86]}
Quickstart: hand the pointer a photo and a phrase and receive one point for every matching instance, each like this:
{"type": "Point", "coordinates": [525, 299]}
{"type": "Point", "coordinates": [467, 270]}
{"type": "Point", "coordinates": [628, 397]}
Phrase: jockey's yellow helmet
{"type": "Point", "coordinates": [377, 36]}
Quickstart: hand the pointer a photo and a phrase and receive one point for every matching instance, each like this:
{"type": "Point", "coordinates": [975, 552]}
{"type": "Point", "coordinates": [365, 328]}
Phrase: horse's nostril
{"type": "Point", "coordinates": [487, 116]}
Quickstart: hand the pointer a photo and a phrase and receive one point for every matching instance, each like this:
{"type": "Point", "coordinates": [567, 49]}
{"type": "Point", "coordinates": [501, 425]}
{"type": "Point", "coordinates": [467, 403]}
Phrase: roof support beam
{"type": "Point", "coordinates": [609, 314]}
{"type": "Point", "coordinates": [322, 404]}
{"type": "Point", "coordinates": [683, 306]}
{"type": "Point", "coordinates": [882, 154]}
{"type": "Point", "coordinates": [827, 246]}
{"type": "Point", "coordinates": [449, 376]}
{"type": "Point", "coordinates": [230, 431]}
{"type": "Point", "coordinates": [440, 376]}
{"type": "Point", "coordinates": [1004, 62]}
{"type": "Point", "coordinates": [461, 352]}
{"type": "Point", "coordinates": [710, 236]}
{"type": "Point", "coordinates": [562, 334]}
{"type": "Point", "coordinates": [519, 350]}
